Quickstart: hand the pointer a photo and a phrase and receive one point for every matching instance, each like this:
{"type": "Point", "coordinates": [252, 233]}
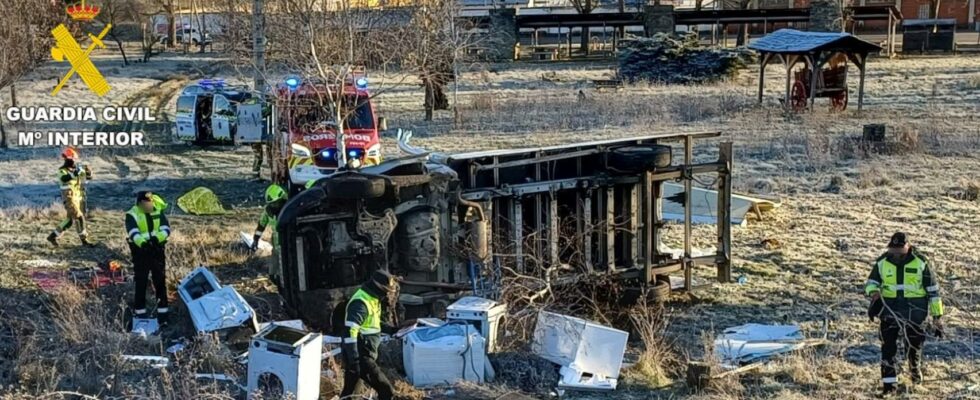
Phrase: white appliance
{"type": "Point", "coordinates": [444, 355]}
{"type": "Point", "coordinates": [284, 362]}
{"type": "Point", "coordinates": [212, 306]}
{"type": "Point", "coordinates": [482, 313]}
{"type": "Point", "coordinates": [590, 354]}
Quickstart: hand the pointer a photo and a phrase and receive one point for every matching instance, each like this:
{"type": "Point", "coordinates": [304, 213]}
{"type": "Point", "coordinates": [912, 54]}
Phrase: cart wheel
{"type": "Point", "coordinates": [839, 101]}
{"type": "Point", "coordinates": [798, 97]}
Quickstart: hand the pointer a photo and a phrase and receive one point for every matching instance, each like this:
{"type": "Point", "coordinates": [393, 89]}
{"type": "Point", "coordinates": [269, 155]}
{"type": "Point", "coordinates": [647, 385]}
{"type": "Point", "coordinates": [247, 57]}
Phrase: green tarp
{"type": "Point", "coordinates": [201, 201]}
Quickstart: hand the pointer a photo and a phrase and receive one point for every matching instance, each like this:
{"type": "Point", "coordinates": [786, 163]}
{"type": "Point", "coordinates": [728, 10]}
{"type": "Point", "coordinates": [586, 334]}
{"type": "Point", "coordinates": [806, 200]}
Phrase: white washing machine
{"type": "Point", "coordinates": [284, 362]}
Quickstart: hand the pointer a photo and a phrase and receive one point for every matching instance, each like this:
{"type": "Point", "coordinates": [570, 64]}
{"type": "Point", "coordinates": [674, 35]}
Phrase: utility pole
{"type": "Point", "coordinates": [258, 45]}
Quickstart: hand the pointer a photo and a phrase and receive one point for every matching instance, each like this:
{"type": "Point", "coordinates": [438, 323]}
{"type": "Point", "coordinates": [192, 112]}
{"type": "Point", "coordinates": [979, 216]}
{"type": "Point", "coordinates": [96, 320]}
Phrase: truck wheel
{"type": "Point", "coordinates": [355, 187]}
{"type": "Point", "coordinates": [640, 158]}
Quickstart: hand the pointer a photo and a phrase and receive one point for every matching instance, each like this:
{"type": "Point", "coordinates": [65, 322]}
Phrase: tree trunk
{"type": "Point", "coordinates": [585, 40]}
{"type": "Point", "coordinates": [171, 29]}
{"type": "Point", "coordinates": [121, 50]}
{"type": "Point", "coordinates": [743, 35]}
{"type": "Point", "coordinates": [430, 101]}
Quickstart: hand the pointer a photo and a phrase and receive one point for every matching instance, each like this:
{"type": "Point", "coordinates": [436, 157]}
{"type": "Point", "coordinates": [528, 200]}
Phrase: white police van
{"type": "Point", "coordinates": [210, 112]}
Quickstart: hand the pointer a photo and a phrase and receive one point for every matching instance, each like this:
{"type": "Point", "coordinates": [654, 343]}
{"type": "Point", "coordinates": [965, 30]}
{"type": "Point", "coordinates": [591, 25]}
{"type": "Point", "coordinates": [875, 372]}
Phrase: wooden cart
{"type": "Point", "coordinates": [831, 83]}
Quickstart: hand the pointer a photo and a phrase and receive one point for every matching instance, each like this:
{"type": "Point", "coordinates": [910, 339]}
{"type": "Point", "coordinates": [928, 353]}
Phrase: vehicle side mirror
{"type": "Point", "coordinates": [301, 151]}
{"type": "Point", "coordinates": [382, 124]}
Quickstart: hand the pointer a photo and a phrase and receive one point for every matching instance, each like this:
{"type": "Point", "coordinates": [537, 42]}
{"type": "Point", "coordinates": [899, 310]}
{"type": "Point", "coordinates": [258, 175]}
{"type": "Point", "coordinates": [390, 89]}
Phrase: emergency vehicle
{"type": "Point", "coordinates": [307, 126]}
{"type": "Point", "coordinates": [210, 112]}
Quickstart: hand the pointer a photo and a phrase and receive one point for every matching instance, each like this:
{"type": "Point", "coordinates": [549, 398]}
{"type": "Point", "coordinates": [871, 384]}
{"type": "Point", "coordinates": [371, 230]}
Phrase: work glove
{"type": "Point", "coordinates": [141, 239]}
{"type": "Point", "coordinates": [161, 236]}
{"type": "Point", "coordinates": [88, 171]}
{"type": "Point", "coordinates": [937, 327]}
{"type": "Point", "coordinates": [352, 360]}
{"type": "Point", "coordinates": [874, 309]}
{"type": "Point", "coordinates": [255, 243]}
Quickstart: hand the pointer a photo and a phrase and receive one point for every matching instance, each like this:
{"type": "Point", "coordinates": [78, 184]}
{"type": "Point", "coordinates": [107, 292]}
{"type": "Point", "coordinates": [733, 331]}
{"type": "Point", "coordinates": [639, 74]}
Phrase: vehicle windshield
{"type": "Point", "coordinates": [308, 115]}
{"type": "Point", "coordinates": [359, 117]}
{"type": "Point", "coordinates": [185, 105]}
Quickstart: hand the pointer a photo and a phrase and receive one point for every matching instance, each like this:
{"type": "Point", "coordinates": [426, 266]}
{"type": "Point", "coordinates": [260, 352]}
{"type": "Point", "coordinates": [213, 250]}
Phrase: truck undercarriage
{"type": "Point", "coordinates": [450, 224]}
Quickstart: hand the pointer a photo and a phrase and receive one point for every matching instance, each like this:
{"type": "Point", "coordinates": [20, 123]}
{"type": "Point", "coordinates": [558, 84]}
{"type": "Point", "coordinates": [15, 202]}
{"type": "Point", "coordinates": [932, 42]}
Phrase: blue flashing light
{"type": "Point", "coordinates": [211, 83]}
{"type": "Point", "coordinates": [352, 153]}
{"type": "Point", "coordinates": [361, 83]}
{"type": "Point", "coordinates": [292, 83]}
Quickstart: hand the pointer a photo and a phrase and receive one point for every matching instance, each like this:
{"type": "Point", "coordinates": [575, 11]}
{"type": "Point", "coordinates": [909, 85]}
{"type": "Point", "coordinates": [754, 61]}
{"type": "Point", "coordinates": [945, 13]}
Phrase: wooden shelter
{"type": "Point", "coordinates": [815, 50]}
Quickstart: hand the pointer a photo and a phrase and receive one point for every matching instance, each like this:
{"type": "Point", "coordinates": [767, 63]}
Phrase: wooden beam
{"type": "Point", "coordinates": [861, 67]}
{"type": "Point", "coordinates": [724, 265]}
{"type": "Point", "coordinates": [688, 188]}
{"type": "Point", "coordinates": [814, 70]}
{"type": "Point", "coordinates": [762, 73]}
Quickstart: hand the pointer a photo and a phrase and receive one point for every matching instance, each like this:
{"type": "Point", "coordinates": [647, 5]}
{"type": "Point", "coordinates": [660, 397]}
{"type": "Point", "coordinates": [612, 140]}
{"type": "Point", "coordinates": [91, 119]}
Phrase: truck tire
{"type": "Point", "coordinates": [638, 158]}
{"type": "Point", "coordinates": [417, 238]}
{"type": "Point", "coordinates": [355, 187]}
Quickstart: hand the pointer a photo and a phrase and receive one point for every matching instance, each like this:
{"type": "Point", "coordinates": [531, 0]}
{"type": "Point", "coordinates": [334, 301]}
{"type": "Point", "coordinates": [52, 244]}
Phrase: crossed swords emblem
{"type": "Point", "coordinates": [66, 48]}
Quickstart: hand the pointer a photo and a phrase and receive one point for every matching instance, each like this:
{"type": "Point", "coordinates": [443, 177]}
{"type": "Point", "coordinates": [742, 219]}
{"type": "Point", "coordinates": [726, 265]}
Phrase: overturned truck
{"type": "Point", "coordinates": [449, 224]}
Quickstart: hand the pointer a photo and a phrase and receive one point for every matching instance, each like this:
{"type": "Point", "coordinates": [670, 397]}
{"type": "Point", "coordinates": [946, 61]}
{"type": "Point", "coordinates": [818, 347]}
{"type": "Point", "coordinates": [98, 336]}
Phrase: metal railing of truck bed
{"type": "Point", "coordinates": [617, 217]}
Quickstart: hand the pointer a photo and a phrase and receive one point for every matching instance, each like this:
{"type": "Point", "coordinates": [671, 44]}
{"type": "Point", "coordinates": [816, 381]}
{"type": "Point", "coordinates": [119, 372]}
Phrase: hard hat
{"type": "Point", "coordinates": [70, 153]}
{"type": "Point", "coordinates": [274, 193]}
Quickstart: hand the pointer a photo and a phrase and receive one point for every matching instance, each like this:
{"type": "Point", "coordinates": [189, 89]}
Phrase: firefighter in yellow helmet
{"type": "Point", "coordinates": [71, 180]}
{"type": "Point", "coordinates": [903, 291]}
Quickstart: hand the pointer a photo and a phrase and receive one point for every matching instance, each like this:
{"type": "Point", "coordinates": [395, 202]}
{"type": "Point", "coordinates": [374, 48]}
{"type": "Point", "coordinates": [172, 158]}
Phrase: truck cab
{"type": "Point", "coordinates": [306, 120]}
{"type": "Point", "coordinates": [208, 112]}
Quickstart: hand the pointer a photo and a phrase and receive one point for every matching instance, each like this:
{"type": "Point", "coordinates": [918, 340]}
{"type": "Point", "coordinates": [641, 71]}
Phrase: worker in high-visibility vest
{"type": "Point", "coordinates": [147, 231]}
{"type": "Point", "coordinates": [903, 291]}
{"type": "Point", "coordinates": [363, 336]}
{"type": "Point", "coordinates": [71, 180]}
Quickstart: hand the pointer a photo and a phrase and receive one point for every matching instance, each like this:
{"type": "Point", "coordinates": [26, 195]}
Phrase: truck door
{"type": "Point", "coordinates": [250, 125]}
{"type": "Point", "coordinates": [186, 118]}
{"type": "Point", "coordinates": [222, 117]}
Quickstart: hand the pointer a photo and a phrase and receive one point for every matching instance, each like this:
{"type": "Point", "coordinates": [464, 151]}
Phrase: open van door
{"type": "Point", "coordinates": [250, 125]}
{"type": "Point", "coordinates": [222, 117]}
{"type": "Point", "coordinates": [186, 117]}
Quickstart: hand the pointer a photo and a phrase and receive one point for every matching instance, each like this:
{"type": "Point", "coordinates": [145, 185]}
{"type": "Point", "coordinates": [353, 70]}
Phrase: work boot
{"type": "Point", "coordinates": [916, 376]}
{"type": "Point", "coordinates": [87, 243]}
{"type": "Point", "coordinates": [53, 238]}
{"type": "Point", "coordinates": [888, 389]}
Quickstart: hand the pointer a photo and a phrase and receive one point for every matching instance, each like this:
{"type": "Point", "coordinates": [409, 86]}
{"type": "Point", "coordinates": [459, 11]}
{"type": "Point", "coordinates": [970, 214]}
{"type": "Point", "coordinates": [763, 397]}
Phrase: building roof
{"type": "Point", "coordinates": [791, 41]}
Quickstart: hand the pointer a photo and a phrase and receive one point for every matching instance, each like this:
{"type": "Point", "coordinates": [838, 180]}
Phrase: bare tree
{"type": "Point", "coordinates": [437, 48]}
{"type": "Point", "coordinates": [117, 12]}
{"type": "Point", "coordinates": [169, 8]}
{"type": "Point", "coordinates": [584, 7]}
{"type": "Point", "coordinates": [25, 41]}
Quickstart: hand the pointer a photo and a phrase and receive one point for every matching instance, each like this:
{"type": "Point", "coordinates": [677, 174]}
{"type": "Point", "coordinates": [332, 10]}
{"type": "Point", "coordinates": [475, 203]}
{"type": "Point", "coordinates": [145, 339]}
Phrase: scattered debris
{"type": "Point", "coordinates": [446, 354]}
{"type": "Point", "coordinates": [292, 323]}
{"type": "Point", "coordinates": [284, 361]}
{"type": "Point", "coordinates": [590, 354]}
{"type": "Point", "coordinates": [201, 201]}
{"type": "Point", "coordinates": [145, 326]}
{"type": "Point", "coordinates": [41, 263]}
{"type": "Point", "coordinates": [49, 280]}
{"type": "Point", "coordinates": [175, 348]}
{"type": "Point", "coordinates": [483, 314]}
{"type": "Point", "coordinates": [705, 205]}
{"type": "Point", "coordinates": [222, 378]}
{"type": "Point", "coordinates": [754, 342]}
{"type": "Point", "coordinates": [212, 306]}
{"type": "Point", "coordinates": [153, 361]}
{"type": "Point", "coordinates": [742, 279]}
{"type": "Point", "coordinates": [699, 374]}
{"type": "Point", "coordinates": [673, 59]}
{"type": "Point", "coordinates": [841, 245]}
{"type": "Point", "coordinates": [264, 247]}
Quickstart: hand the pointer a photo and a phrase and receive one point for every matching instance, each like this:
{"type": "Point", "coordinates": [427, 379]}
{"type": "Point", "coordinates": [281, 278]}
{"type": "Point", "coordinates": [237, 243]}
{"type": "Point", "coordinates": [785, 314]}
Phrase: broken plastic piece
{"type": "Point", "coordinates": [590, 354]}
{"type": "Point", "coordinates": [750, 342]}
{"type": "Point", "coordinates": [292, 323]}
{"type": "Point", "coordinates": [247, 240]}
{"type": "Point", "coordinates": [145, 326]}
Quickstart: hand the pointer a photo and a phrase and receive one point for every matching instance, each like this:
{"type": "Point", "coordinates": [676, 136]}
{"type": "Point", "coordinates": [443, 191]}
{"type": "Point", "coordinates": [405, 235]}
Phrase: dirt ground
{"type": "Point", "coordinates": [805, 262]}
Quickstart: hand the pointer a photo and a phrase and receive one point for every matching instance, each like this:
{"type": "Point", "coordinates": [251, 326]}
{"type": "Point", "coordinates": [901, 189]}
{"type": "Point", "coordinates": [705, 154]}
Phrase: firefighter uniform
{"type": "Point", "coordinates": [275, 198]}
{"type": "Point", "coordinates": [71, 181]}
{"type": "Point", "coordinates": [363, 318]}
{"type": "Point", "coordinates": [903, 291]}
{"type": "Point", "coordinates": [258, 151]}
{"type": "Point", "coordinates": [147, 231]}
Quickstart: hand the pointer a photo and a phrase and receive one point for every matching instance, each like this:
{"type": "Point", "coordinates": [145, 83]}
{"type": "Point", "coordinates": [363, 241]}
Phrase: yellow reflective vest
{"type": "Point", "coordinates": [371, 323]}
{"type": "Point", "coordinates": [911, 280]}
